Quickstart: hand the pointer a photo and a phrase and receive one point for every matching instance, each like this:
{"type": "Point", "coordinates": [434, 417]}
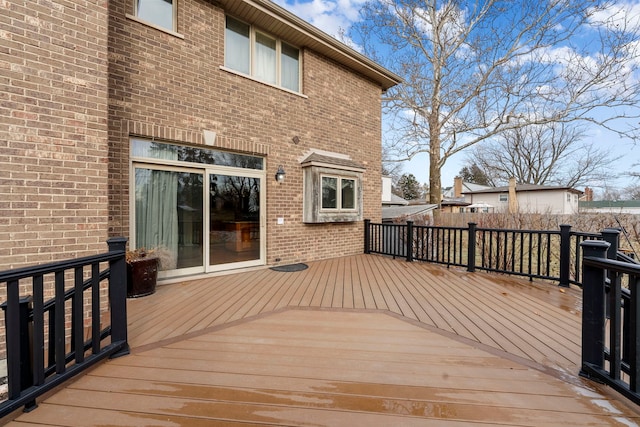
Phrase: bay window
{"type": "Point", "coordinates": [332, 189]}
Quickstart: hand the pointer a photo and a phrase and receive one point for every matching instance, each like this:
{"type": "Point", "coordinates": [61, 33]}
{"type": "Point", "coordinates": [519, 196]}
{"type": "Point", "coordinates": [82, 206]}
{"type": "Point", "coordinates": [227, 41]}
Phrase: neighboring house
{"type": "Point", "coordinates": [388, 198]}
{"type": "Point", "coordinates": [168, 121]}
{"type": "Point", "coordinates": [407, 213]}
{"type": "Point", "coordinates": [395, 207]}
{"type": "Point", "coordinates": [610, 206]}
{"type": "Point", "coordinates": [528, 198]}
{"type": "Point", "coordinates": [453, 200]}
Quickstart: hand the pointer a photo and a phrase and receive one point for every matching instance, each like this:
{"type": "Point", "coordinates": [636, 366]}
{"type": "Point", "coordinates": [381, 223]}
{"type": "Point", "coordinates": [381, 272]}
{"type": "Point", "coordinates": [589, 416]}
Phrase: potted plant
{"type": "Point", "coordinates": [142, 272]}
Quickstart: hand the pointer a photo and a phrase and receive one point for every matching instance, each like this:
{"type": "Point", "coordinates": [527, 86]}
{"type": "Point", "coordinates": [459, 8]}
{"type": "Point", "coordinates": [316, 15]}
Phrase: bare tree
{"type": "Point", "coordinates": [476, 69]}
{"type": "Point", "coordinates": [552, 153]}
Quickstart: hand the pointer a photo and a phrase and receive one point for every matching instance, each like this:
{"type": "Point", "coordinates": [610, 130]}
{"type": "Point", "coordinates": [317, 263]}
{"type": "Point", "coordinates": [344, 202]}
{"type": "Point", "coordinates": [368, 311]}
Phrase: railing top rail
{"type": "Point", "coordinates": [21, 273]}
{"type": "Point", "coordinates": [517, 230]}
{"type": "Point", "coordinates": [621, 256]}
{"type": "Point", "coordinates": [610, 264]}
{"type": "Point", "coordinates": [440, 227]}
{"type": "Point", "coordinates": [586, 234]}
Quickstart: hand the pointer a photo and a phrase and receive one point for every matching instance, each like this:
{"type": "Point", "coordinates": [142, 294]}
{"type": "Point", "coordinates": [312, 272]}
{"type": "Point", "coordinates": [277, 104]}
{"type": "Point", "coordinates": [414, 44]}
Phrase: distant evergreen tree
{"type": "Point", "coordinates": [409, 187]}
{"type": "Point", "coordinates": [473, 174]}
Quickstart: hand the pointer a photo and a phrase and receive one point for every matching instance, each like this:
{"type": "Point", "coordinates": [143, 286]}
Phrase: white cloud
{"type": "Point", "coordinates": [331, 16]}
{"type": "Point", "coordinates": [621, 16]}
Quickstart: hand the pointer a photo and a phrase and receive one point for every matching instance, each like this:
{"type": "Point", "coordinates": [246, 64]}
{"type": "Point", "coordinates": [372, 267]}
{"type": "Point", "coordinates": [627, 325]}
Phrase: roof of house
{"type": "Point", "coordinates": [522, 188]}
{"type": "Point", "coordinates": [610, 204]}
{"type": "Point", "coordinates": [281, 23]}
{"type": "Point", "coordinates": [395, 200]}
{"type": "Point", "coordinates": [449, 192]}
{"type": "Point", "coordinates": [454, 202]}
{"type": "Point", "coordinates": [406, 211]}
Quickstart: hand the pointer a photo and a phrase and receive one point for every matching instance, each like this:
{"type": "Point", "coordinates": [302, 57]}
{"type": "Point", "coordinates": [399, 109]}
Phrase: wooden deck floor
{"type": "Point", "coordinates": [362, 340]}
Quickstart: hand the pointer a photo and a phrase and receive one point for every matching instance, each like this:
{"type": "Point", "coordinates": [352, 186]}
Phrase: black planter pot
{"type": "Point", "coordinates": [142, 275]}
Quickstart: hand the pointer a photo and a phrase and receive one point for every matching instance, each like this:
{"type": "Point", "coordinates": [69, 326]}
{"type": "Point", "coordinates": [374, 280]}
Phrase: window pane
{"type": "Point", "coordinates": [290, 68]}
{"type": "Point", "coordinates": [329, 192]}
{"type": "Point", "coordinates": [236, 46]}
{"type": "Point", "coordinates": [159, 12]}
{"type": "Point", "coordinates": [348, 194]}
{"type": "Point", "coordinates": [168, 216]}
{"type": "Point", "coordinates": [265, 58]}
{"type": "Point", "coordinates": [181, 153]}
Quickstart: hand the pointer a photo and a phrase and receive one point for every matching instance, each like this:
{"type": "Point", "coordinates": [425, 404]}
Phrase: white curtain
{"type": "Point", "coordinates": [290, 68]}
{"type": "Point", "coordinates": [156, 215]}
{"type": "Point", "coordinates": [265, 58]}
{"type": "Point", "coordinates": [236, 49]}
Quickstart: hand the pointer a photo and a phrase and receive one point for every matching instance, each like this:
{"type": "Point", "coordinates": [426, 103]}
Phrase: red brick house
{"type": "Point", "coordinates": [167, 122]}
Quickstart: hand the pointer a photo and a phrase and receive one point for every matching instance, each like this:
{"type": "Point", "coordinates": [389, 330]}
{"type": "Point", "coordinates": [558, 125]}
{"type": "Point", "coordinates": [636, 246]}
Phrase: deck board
{"type": "Point", "coordinates": [323, 367]}
{"type": "Point", "coordinates": [360, 340]}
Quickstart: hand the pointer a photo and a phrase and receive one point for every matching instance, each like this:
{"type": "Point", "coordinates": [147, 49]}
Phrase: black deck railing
{"type": "Point", "coordinates": [44, 348]}
{"type": "Point", "coordinates": [611, 309]}
{"type": "Point", "coordinates": [550, 254]}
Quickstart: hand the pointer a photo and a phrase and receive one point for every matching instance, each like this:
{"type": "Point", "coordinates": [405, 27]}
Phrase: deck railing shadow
{"type": "Point", "coordinates": [48, 341]}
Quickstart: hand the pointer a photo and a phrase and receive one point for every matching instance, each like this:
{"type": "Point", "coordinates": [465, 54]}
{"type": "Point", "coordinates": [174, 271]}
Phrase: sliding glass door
{"type": "Point", "coordinates": [234, 220]}
{"type": "Point", "coordinates": [198, 220]}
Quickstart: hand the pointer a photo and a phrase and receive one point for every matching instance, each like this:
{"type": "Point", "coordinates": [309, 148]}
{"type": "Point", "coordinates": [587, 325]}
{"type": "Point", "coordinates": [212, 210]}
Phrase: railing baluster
{"type": "Point", "coordinates": [615, 324]}
{"type": "Point", "coordinates": [59, 323]}
{"type": "Point", "coordinates": [14, 350]}
{"type": "Point", "coordinates": [77, 316]}
{"type": "Point", "coordinates": [38, 329]}
{"type": "Point", "coordinates": [95, 308]}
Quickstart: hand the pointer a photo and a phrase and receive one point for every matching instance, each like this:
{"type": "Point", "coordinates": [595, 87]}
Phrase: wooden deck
{"type": "Point", "coordinates": [362, 340]}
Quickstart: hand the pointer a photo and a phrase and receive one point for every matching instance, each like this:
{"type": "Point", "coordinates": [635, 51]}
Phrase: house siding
{"type": "Point", "coordinates": [543, 201]}
{"type": "Point", "coordinates": [173, 88]}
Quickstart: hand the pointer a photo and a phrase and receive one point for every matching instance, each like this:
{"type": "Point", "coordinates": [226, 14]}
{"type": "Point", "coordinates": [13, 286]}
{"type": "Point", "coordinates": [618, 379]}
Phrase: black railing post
{"type": "Point", "coordinates": [19, 348]}
{"type": "Point", "coordinates": [565, 254]}
{"type": "Point", "coordinates": [471, 248]}
{"type": "Point", "coordinates": [409, 241]}
{"type": "Point", "coordinates": [593, 306]}
{"type": "Point", "coordinates": [611, 236]}
{"type": "Point", "coordinates": [118, 294]}
{"type": "Point", "coordinates": [367, 236]}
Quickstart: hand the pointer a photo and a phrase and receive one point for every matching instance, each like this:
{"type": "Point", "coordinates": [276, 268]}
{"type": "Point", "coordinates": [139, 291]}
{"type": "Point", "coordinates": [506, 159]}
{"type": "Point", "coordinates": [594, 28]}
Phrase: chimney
{"type": "Point", "coordinates": [588, 194]}
{"type": "Point", "coordinates": [457, 187]}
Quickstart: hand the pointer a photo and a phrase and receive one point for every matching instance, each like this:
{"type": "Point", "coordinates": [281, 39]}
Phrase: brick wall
{"type": "Point", "coordinates": [53, 133]}
{"type": "Point", "coordinates": [175, 86]}
{"type": "Point", "coordinates": [53, 130]}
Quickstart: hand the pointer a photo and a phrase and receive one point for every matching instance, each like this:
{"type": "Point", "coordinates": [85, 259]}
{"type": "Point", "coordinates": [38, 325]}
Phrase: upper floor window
{"type": "Point", "coordinates": [504, 197]}
{"type": "Point", "coordinates": [259, 55]}
{"type": "Point", "coordinates": [157, 12]}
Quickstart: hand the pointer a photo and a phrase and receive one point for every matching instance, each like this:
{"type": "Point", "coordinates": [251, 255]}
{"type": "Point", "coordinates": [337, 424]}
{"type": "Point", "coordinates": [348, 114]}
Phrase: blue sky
{"type": "Point", "coordinates": [336, 16]}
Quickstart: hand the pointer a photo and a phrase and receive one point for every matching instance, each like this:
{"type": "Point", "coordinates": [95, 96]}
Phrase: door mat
{"type": "Point", "coordinates": [290, 268]}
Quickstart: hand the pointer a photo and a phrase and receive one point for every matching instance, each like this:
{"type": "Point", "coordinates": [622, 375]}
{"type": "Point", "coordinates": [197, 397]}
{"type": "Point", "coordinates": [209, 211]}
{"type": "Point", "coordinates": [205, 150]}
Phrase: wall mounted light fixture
{"type": "Point", "coordinates": [280, 174]}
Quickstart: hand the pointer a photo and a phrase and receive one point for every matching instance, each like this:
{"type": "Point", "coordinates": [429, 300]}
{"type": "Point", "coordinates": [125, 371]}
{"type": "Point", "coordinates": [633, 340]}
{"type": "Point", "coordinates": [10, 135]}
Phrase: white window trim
{"type": "Point", "coordinates": [154, 26]}
{"type": "Point", "coordinates": [340, 209]}
{"type": "Point", "coordinates": [252, 63]}
{"type": "Point", "coordinates": [174, 19]}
